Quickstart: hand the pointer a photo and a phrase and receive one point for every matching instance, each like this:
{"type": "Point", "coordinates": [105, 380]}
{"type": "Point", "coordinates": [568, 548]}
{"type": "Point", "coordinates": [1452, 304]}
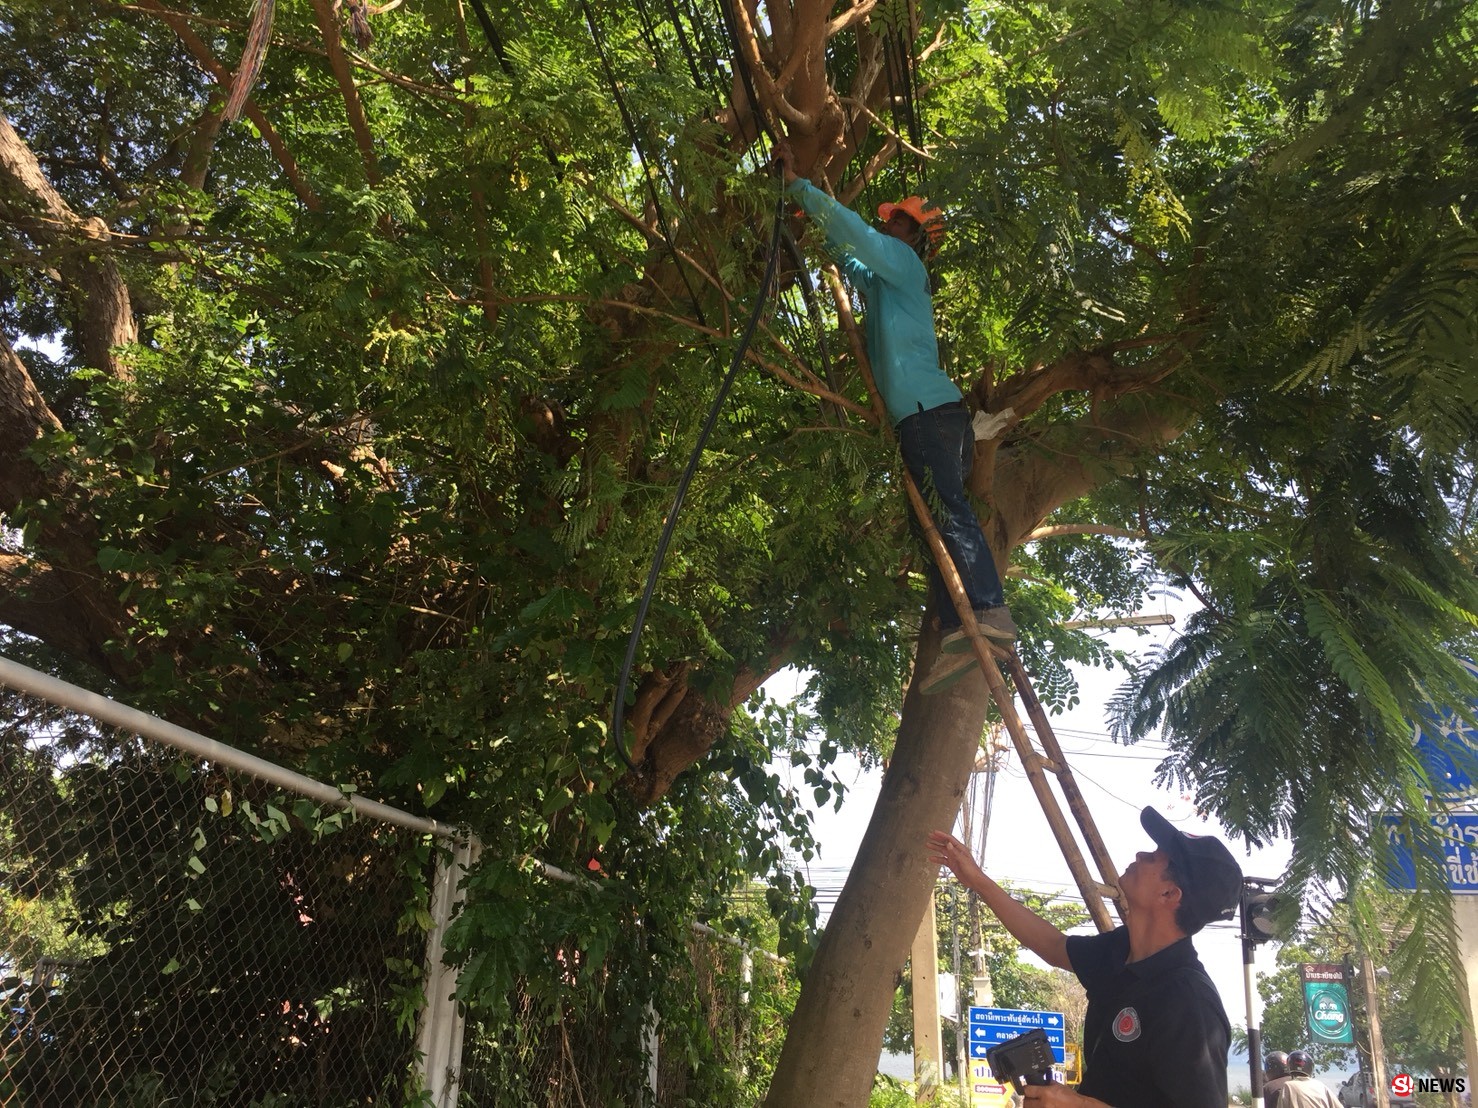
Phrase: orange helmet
{"type": "Point", "coordinates": [930, 219]}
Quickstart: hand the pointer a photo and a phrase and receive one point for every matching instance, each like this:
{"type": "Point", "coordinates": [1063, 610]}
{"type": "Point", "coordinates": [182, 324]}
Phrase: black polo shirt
{"type": "Point", "coordinates": [1156, 1035]}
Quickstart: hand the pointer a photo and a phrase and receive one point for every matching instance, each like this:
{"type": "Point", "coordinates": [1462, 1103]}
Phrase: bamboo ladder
{"type": "Point", "coordinates": [1037, 763]}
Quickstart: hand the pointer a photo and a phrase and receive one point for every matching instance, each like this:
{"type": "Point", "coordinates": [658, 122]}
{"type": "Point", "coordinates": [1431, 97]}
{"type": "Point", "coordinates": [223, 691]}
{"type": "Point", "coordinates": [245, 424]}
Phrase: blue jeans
{"type": "Point", "coordinates": [939, 450]}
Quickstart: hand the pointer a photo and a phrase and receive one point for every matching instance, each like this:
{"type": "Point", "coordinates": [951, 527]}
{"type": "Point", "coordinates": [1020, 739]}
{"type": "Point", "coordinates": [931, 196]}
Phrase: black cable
{"type": "Point", "coordinates": [890, 67]}
{"type": "Point", "coordinates": [907, 67]}
{"type": "Point", "coordinates": [619, 715]}
{"type": "Point", "coordinates": [716, 82]}
{"type": "Point", "coordinates": [490, 33]}
{"type": "Point", "coordinates": [495, 41]}
{"type": "Point", "coordinates": [778, 229]}
{"type": "Point", "coordinates": [911, 102]}
{"type": "Point", "coordinates": [684, 47]}
{"type": "Point", "coordinates": [703, 34]}
{"type": "Point", "coordinates": [808, 292]}
{"type": "Point", "coordinates": [649, 33]}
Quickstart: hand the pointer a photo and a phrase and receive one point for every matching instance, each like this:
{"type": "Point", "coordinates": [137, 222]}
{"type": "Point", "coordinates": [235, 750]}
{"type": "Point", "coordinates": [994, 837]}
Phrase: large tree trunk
{"type": "Point", "coordinates": [836, 1034]}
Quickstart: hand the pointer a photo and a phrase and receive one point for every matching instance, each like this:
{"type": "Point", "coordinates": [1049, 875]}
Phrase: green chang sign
{"type": "Point", "coordinates": [1327, 1004]}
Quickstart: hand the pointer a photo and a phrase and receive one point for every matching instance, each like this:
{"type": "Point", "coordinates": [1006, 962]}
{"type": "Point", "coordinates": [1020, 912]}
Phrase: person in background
{"type": "Point", "coordinates": [1275, 1076]}
{"type": "Point", "coordinates": [1301, 1090]}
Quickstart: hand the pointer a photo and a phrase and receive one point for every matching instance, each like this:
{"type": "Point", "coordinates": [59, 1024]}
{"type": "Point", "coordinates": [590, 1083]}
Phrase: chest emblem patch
{"type": "Point", "coordinates": [1126, 1025]}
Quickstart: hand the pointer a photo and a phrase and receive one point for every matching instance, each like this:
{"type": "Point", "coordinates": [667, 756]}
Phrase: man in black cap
{"type": "Point", "coordinates": [1156, 1034]}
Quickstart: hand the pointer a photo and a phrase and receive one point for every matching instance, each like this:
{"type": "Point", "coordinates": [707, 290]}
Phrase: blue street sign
{"type": "Point", "coordinates": [990, 1026]}
{"type": "Point", "coordinates": [1448, 747]}
{"type": "Point", "coordinates": [1459, 831]}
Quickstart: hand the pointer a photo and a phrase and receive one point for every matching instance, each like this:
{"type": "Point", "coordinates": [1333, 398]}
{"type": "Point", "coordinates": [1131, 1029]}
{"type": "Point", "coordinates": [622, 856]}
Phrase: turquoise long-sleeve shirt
{"type": "Point", "coordinates": [900, 314]}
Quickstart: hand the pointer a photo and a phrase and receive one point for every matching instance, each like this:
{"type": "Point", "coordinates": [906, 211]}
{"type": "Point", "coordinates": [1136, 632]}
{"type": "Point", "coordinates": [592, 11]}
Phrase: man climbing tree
{"type": "Point", "coordinates": [926, 408]}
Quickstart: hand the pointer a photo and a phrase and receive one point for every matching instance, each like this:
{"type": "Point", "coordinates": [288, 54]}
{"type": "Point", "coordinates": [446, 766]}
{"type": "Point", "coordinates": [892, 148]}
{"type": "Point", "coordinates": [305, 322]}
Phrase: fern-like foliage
{"type": "Point", "coordinates": [1287, 701]}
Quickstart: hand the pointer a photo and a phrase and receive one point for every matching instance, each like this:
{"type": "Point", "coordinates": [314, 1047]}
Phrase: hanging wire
{"type": "Point", "coordinates": [694, 69]}
{"type": "Point", "coordinates": [900, 68]}
{"type": "Point", "coordinates": [988, 800]}
{"type": "Point", "coordinates": [779, 231]}
{"type": "Point", "coordinates": [682, 486]}
{"type": "Point", "coordinates": [909, 70]}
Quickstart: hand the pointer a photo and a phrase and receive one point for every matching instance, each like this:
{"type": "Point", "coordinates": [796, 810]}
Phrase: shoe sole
{"type": "Point", "coordinates": [946, 676]}
{"type": "Point", "coordinates": [962, 644]}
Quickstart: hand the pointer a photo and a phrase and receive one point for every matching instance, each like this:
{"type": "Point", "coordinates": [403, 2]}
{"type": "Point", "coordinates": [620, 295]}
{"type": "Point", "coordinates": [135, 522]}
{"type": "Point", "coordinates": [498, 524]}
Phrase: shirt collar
{"type": "Point", "coordinates": [1178, 953]}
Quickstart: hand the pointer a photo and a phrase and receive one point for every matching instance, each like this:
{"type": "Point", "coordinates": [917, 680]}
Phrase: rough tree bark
{"type": "Point", "coordinates": [836, 1033]}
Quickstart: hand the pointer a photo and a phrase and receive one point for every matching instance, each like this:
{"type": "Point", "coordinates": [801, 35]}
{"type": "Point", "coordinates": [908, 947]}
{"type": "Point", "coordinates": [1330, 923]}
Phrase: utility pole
{"type": "Point", "coordinates": [962, 1039]}
{"type": "Point", "coordinates": [1377, 1043]}
{"type": "Point", "coordinates": [1465, 913]}
{"type": "Point", "coordinates": [928, 1058]}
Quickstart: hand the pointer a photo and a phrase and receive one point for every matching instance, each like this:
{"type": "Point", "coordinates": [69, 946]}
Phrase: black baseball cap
{"type": "Point", "coordinates": [1209, 878]}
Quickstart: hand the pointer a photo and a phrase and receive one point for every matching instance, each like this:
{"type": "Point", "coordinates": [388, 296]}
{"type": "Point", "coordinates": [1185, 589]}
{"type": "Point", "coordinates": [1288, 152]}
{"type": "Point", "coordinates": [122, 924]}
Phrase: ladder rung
{"type": "Point", "coordinates": [1041, 761]}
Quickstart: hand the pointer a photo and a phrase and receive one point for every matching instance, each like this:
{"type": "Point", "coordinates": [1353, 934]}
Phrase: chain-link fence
{"type": "Point", "coordinates": [173, 932]}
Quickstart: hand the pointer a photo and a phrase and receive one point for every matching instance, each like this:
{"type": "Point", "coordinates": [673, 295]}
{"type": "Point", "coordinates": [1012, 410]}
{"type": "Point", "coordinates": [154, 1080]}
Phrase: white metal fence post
{"type": "Point", "coordinates": [226, 839]}
{"type": "Point", "coordinates": [653, 1045]}
{"type": "Point", "coordinates": [439, 1039]}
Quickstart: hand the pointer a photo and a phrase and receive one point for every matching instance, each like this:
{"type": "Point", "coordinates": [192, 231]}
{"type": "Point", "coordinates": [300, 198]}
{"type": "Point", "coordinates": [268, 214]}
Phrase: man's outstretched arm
{"type": "Point", "coordinates": [847, 233]}
{"type": "Point", "coordinates": [1031, 930]}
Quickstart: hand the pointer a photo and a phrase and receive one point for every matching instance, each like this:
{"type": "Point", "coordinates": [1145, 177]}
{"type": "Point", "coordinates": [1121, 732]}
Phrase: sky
{"type": "Point", "coordinates": [1116, 782]}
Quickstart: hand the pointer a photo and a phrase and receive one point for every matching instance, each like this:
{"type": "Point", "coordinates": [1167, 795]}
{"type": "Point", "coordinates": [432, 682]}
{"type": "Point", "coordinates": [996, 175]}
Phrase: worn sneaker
{"type": "Point", "coordinates": [948, 668]}
{"type": "Point", "coordinates": [995, 623]}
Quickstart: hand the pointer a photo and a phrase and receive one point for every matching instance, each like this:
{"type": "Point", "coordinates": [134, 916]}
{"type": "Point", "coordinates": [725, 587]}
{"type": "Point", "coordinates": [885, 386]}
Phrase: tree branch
{"type": "Point", "coordinates": [328, 24]}
{"type": "Point", "coordinates": [1058, 529]}
{"type": "Point", "coordinates": [813, 387]}
{"type": "Point", "coordinates": [874, 166]}
{"type": "Point", "coordinates": [1026, 485]}
{"type": "Point", "coordinates": [1091, 371]}
{"type": "Point", "coordinates": [37, 601]}
{"type": "Point", "coordinates": [24, 418]}
{"type": "Point", "coordinates": [357, 60]}
{"type": "Point", "coordinates": [856, 14]}
{"type": "Point", "coordinates": [848, 323]}
{"type": "Point", "coordinates": [886, 129]}
{"type": "Point", "coordinates": [65, 602]}
{"type": "Point", "coordinates": [207, 61]}
{"type": "Point", "coordinates": [203, 144]}
{"type": "Point", "coordinates": [104, 312]}
{"type": "Point", "coordinates": [764, 85]}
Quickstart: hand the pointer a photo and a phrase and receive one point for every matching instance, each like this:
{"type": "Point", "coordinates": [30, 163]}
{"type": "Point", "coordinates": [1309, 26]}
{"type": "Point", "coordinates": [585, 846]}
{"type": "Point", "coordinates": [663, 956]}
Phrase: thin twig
{"type": "Point", "coordinates": [1058, 529]}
